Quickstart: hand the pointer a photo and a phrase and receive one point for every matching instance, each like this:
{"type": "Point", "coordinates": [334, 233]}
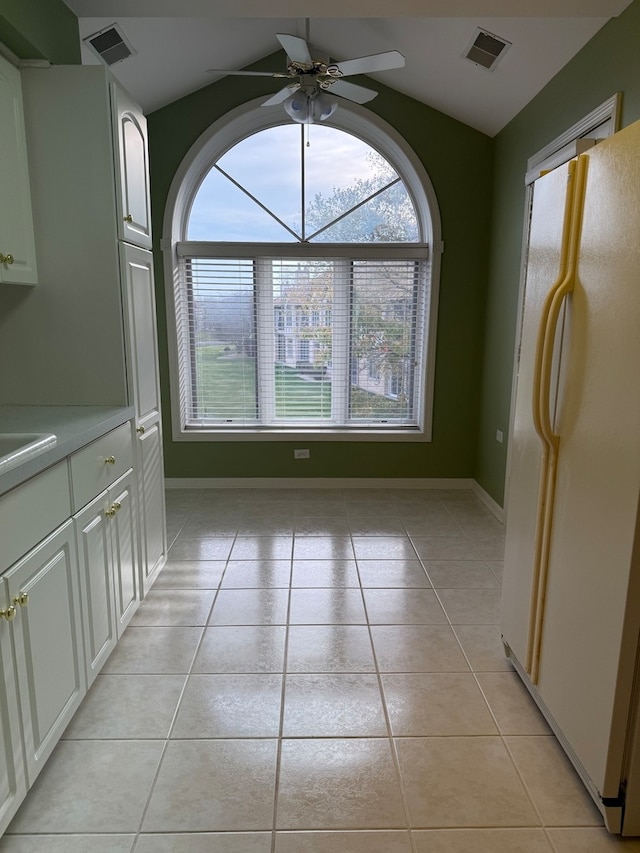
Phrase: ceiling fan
{"type": "Point", "coordinates": [306, 97]}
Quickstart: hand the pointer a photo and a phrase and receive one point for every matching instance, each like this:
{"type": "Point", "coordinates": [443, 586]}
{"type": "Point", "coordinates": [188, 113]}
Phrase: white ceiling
{"type": "Point", "coordinates": [173, 52]}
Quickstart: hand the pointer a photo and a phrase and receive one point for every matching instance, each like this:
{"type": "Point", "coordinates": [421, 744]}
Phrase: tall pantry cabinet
{"type": "Point", "coordinates": [90, 323]}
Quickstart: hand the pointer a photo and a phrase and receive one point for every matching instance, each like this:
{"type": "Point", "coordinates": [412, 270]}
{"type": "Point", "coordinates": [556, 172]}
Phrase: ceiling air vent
{"type": "Point", "coordinates": [486, 49]}
{"type": "Point", "coordinates": [110, 45]}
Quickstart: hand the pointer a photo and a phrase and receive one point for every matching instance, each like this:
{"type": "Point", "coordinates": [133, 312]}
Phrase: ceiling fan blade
{"type": "Point", "coordinates": [296, 48]}
{"type": "Point", "coordinates": [354, 93]}
{"type": "Point", "coordinates": [281, 96]}
{"type": "Point", "coordinates": [375, 62]}
{"type": "Point", "coordinates": [247, 73]}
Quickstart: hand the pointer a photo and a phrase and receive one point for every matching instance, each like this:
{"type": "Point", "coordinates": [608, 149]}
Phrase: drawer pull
{"type": "Point", "coordinates": [22, 599]}
{"type": "Point", "coordinates": [140, 430]}
{"type": "Point", "coordinates": [110, 460]}
{"type": "Point", "coordinates": [9, 614]}
{"type": "Point", "coordinates": [6, 259]}
{"type": "Point", "coordinates": [128, 218]}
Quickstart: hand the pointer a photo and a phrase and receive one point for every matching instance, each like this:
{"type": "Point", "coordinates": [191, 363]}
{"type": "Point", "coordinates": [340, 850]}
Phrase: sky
{"type": "Point", "coordinates": [268, 164]}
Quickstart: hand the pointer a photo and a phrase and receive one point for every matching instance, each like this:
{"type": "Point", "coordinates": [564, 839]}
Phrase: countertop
{"type": "Point", "coordinates": [74, 426]}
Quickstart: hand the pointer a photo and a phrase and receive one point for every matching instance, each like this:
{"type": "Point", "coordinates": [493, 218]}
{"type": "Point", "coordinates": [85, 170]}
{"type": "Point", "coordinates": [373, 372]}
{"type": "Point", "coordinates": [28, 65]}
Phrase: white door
{"type": "Point", "coordinates": [132, 173]}
{"type": "Point", "coordinates": [96, 576]}
{"type": "Point", "coordinates": [141, 336]}
{"type": "Point", "coordinates": [17, 243]}
{"type": "Point", "coordinates": [142, 366]}
{"type": "Point", "coordinates": [48, 643]}
{"type": "Point", "coordinates": [592, 615]}
{"type": "Point", "coordinates": [545, 239]}
{"type": "Point", "coordinates": [125, 564]}
{"type": "Point", "coordinates": [153, 526]}
{"type": "Point", "coordinates": [12, 777]}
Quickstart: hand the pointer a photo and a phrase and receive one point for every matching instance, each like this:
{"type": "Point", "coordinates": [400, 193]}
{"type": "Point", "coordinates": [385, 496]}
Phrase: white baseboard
{"type": "Point", "coordinates": [488, 501]}
{"type": "Point", "coordinates": [319, 483]}
{"type": "Point", "coordinates": [338, 483]}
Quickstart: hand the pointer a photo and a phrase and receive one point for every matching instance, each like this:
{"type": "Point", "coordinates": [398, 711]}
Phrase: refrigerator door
{"type": "Point", "coordinates": [592, 612]}
{"type": "Point", "coordinates": [548, 231]}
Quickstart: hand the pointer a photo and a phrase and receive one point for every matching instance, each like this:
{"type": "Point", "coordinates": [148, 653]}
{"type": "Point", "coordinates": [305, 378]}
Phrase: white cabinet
{"type": "Point", "coordinates": [132, 180]}
{"type": "Point", "coordinates": [96, 577]}
{"type": "Point", "coordinates": [17, 245]}
{"type": "Point", "coordinates": [105, 531]}
{"type": "Point", "coordinates": [88, 335]}
{"type": "Point", "coordinates": [142, 343]}
{"type": "Point", "coordinates": [13, 785]}
{"type": "Point", "coordinates": [47, 642]}
{"type": "Point", "coordinates": [42, 677]}
{"type": "Point", "coordinates": [142, 355]}
{"type": "Point", "coordinates": [69, 585]}
{"type": "Point", "coordinates": [152, 506]}
{"type": "Point", "coordinates": [104, 498]}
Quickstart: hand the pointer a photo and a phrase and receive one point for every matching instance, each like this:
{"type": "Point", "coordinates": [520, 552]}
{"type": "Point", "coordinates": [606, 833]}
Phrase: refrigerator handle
{"type": "Point", "coordinates": [558, 295]}
{"type": "Point", "coordinates": [537, 398]}
{"type": "Point", "coordinates": [551, 440]}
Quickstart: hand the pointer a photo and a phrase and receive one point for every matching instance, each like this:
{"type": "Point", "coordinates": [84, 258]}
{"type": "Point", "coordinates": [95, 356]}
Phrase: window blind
{"type": "Point", "coordinates": [332, 342]}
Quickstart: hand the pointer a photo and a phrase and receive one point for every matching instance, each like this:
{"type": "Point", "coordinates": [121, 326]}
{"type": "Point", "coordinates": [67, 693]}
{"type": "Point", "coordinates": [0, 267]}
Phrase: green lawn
{"type": "Point", "coordinates": [227, 387]}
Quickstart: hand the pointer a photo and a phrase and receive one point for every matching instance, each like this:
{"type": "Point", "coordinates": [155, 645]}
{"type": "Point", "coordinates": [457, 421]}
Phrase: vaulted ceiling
{"type": "Point", "coordinates": [175, 42]}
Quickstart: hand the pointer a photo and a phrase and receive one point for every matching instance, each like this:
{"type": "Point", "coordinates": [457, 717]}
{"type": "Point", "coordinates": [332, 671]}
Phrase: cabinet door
{"type": "Point", "coordinates": [152, 509]}
{"type": "Point", "coordinates": [12, 778]}
{"type": "Point", "coordinates": [132, 170]}
{"type": "Point", "coordinates": [125, 564]}
{"type": "Point", "coordinates": [96, 581]}
{"type": "Point", "coordinates": [17, 243]}
{"type": "Point", "coordinates": [47, 635]}
{"type": "Point", "coordinates": [141, 337]}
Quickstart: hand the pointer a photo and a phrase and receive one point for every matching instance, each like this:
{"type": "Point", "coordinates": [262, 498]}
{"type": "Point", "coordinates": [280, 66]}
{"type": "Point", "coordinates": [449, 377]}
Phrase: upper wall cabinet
{"type": "Point", "coordinates": [17, 245]}
{"type": "Point", "coordinates": [133, 197]}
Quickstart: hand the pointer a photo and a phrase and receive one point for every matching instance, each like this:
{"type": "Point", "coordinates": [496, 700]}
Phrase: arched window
{"type": "Point", "coordinates": [302, 280]}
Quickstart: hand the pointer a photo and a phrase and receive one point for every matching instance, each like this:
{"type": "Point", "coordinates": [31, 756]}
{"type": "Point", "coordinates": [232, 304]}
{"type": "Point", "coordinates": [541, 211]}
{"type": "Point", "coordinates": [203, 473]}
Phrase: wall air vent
{"type": "Point", "coordinates": [109, 44]}
{"type": "Point", "coordinates": [486, 49]}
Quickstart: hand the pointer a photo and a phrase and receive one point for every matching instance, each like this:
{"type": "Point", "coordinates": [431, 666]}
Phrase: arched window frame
{"type": "Point", "coordinates": [222, 135]}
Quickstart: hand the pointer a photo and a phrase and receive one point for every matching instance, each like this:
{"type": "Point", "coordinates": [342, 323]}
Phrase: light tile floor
{"type": "Point", "coordinates": [314, 671]}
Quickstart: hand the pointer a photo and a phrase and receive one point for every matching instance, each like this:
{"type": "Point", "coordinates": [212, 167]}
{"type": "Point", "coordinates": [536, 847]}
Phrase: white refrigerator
{"type": "Point", "coordinates": [571, 594]}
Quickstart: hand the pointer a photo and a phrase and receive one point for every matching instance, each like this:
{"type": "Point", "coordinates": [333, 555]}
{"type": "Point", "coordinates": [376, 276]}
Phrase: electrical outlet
{"type": "Point", "coordinates": [499, 435]}
{"type": "Point", "coordinates": [301, 454]}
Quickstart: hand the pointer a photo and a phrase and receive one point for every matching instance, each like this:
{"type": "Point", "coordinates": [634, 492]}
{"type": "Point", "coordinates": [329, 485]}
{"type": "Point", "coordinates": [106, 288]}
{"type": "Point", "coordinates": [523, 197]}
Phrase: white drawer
{"type": "Point", "coordinates": [32, 511]}
{"type": "Point", "coordinates": [99, 464]}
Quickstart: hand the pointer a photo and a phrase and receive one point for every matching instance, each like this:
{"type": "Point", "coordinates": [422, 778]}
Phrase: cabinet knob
{"type": "Point", "coordinates": [110, 460]}
{"type": "Point", "coordinates": [128, 218]}
{"type": "Point", "coordinates": [115, 507]}
{"type": "Point", "coordinates": [9, 614]}
{"type": "Point", "coordinates": [6, 259]}
{"type": "Point", "coordinates": [22, 599]}
{"type": "Point", "coordinates": [140, 430]}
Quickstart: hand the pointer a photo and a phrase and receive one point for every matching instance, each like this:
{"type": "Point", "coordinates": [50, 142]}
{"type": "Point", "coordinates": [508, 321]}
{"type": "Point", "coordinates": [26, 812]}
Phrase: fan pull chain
{"type": "Point", "coordinates": [306, 130]}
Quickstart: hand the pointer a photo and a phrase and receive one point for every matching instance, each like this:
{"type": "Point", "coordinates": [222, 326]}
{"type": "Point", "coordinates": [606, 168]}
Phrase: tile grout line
{"type": "Point", "coordinates": [167, 739]}
{"type": "Point", "coordinates": [392, 745]}
{"type": "Point", "coordinates": [276, 786]}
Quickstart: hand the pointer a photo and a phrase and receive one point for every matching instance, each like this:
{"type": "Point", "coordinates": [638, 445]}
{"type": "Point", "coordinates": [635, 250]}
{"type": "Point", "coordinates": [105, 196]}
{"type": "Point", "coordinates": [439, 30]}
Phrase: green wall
{"type": "Point", "coordinates": [481, 265]}
{"type": "Point", "coordinates": [609, 63]}
{"type": "Point", "coordinates": [459, 162]}
{"type": "Point", "coordinates": [40, 29]}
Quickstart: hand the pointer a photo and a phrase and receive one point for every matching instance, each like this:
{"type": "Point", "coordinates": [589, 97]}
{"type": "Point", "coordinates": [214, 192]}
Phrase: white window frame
{"type": "Point", "coordinates": [219, 138]}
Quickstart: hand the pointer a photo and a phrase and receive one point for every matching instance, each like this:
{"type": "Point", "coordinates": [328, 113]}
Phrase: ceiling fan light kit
{"type": "Point", "coordinates": [310, 108]}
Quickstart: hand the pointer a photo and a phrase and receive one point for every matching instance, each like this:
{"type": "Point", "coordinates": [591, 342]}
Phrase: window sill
{"type": "Point", "coordinates": [267, 434]}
